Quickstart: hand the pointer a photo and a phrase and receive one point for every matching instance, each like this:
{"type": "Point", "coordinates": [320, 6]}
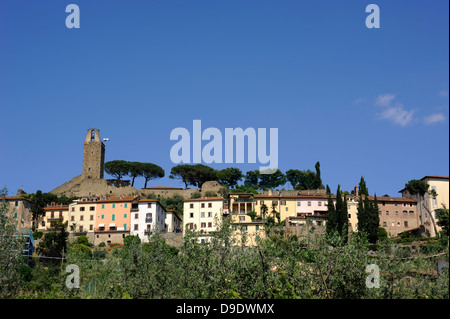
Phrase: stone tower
{"type": "Point", "coordinates": [93, 155]}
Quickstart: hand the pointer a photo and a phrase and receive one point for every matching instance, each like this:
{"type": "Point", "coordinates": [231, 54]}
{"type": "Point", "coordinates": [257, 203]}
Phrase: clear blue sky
{"type": "Point", "coordinates": [371, 102]}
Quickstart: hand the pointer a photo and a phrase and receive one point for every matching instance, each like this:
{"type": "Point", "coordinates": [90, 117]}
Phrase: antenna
{"type": "Point", "coordinates": [106, 139]}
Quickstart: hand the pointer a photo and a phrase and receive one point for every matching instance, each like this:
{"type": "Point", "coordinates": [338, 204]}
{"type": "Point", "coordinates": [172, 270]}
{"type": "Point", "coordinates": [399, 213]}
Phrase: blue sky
{"type": "Point", "coordinates": [371, 102]}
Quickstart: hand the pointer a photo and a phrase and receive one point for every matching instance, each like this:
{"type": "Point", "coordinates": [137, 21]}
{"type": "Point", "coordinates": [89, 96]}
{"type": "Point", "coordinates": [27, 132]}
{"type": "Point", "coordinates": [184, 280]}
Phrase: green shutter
{"type": "Point", "coordinates": [113, 217]}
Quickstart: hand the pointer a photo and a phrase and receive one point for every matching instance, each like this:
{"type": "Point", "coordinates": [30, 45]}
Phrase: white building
{"type": "Point", "coordinates": [203, 215]}
{"type": "Point", "coordinates": [149, 219]}
{"type": "Point", "coordinates": [173, 222]}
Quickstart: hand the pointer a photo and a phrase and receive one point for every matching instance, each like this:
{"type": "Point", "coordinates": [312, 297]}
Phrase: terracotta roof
{"type": "Point", "coordinates": [434, 176]}
{"type": "Point", "coordinates": [203, 199]}
{"type": "Point", "coordinates": [57, 207]}
{"type": "Point", "coordinates": [17, 198]}
{"type": "Point", "coordinates": [393, 199]}
{"type": "Point", "coordinates": [148, 200]}
{"type": "Point", "coordinates": [114, 199]}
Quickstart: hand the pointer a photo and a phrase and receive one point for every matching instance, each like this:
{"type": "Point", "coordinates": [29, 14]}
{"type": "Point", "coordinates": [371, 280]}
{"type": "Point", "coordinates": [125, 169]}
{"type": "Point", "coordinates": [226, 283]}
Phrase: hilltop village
{"type": "Point", "coordinates": [107, 211]}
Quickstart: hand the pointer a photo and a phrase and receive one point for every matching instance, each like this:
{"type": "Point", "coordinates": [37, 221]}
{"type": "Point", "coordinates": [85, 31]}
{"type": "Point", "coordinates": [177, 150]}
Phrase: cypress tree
{"type": "Point", "coordinates": [341, 214]}
{"type": "Point", "coordinates": [331, 214]}
{"type": "Point", "coordinates": [362, 187]}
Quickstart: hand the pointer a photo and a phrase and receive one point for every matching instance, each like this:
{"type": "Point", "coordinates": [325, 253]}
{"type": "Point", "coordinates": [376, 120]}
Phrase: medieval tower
{"type": "Point", "coordinates": [93, 155]}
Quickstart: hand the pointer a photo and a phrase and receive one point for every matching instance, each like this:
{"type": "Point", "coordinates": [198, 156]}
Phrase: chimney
{"type": "Point", "coordinates": [356, 191]}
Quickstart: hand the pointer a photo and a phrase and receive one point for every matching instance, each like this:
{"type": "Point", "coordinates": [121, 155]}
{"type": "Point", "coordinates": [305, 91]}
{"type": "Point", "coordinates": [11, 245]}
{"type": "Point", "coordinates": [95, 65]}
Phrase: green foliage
{"type": "Point", "coordinates": [382, 233]}
{"type": "Point", "coordinates": [117, 168]}
{"type": "Point", "coordinates": [415, 186]}
{"type": "Point", "coordinates": [272, 180]}
{"type": "Point", "coordinates": [229, 176]}
{"type": "Point", "coordinates": [54, 243]}
{"type": "Point", "coordinates": [195, 175]}
{"type": "Point", "coordinates": [102, 244]}
{"type": "Point", "coordinates": [363, 187]}
{"type": "Point", "coordinates": [443, 219]}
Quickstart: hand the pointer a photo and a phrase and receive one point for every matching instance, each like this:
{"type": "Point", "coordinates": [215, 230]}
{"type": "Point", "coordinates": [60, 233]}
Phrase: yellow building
{"type": "Point", "coordinates": [81, 218]}
{"type": "Point", "coordinates": [429, 205]}
{"type": "Point", "coordinates": [245, 231]}
{"type": "Point", "coordinates": [53, 212]}
{"type": "Point", "coordinates": [202, 215]}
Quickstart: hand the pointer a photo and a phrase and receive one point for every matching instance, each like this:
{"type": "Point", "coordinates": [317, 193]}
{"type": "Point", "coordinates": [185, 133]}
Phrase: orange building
{"type": "Point", "coordinates": [113, 217]}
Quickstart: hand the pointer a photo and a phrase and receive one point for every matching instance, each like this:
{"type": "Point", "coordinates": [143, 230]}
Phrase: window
{"type": "Point", "coordinates": [319, 203]}
{"type": "Point", "coordinates": [136, 216]}
{"type": "Point", "coordinates": [92, 208]}
{"type": "Point", "coordinates": [242, 218]}
{"type": "Point", "coordinates": [52, 215]}
{"type": "Point", "coordinates": [349, 215]}
{"type": "Point", "coordinates": [309, 203]}
{"type": "Point", "coordinates": [283, 202]}
{"type": "Point", "coordinates": [411, 213]}
{"type": "Point", "coordinates": [81, 209]}
{"type": "Point", "coordinates": [257, 227]}
{"type": "Point", "coordinates": [103, 216]}
{"type": "Point", "coordinates": [262, 202]}
{"type": "Point", "coordinates": [113, 205]}
{"type": "Point", "coordinates": [395, 204]}
{"type": "Point", "coordinates": [191, 215]}
{"type": "Point", "coordinates": [203, 225]}
{"type": "Point", "coordinates": [149, 205]}
{"type": "Point", "coordinates": [60, 214]}
{"type": "Point", "coordinates": [124, 215]}
{"type": "Point", "coordinates": [434, 202]}
{"type": "Point", "coordinates": [287, 208]}
{"type": "Point", "coordinates": [113, 217]}
{"type": "Point", "coordinates": [299, 203]}
{"type": "Point", "coordinates": [17, 203]}
{"type": "Point", "coordinates": [387, 213]}
{"type": "Point", "coordinates": [244, 227]}
{"type": "Point", "coordinates": [81, 229]}
{"type": "Point", "coordinates": [126, 205]}
{"type": "Point", "coordinates": [383, 203]}
{"type": "Point", "coordinates": [209, 205]}
{"type": "Point", "coordinates": [91, 227]}
{"type": "Point", "coordinates": [81, 217]}
{"type": "Point", "coordinates": [396, 213]}
{"type": "Point", "coordinates": [103, 206]}
{"type": "Point", "coordinates": [191, 205]}
{"type": "Point", "coordinates": [384, 224]}
{"type": "Point", "coordinates": [202, 214]}
{"type": "Point", "coordinates": [209, 214]}
{"type": "Point", "coordinates": [379, 213]}
{"type": "Point", "coordinates": [73, 209]}
{"type": "Point", "coordinates": [125, 227]}
{"type": "Point", "coordinates": [72, 218]}
{"type": "Point", "coordinates": [202, 205]}
{"type": "Point", "coordinates": [136, 227]}
{"type": "Point", "coordinates": [15, 215]}
{"type": "Point", "coordinates": [405, 213]}
{"type": "Point", "coordinates": [209, 224]}
{"type": "Point", "coordinates": [405, 223]}
{"type": "Point", "coordinates": [91, 217]}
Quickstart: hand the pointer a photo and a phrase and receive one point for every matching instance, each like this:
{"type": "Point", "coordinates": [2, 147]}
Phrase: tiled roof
{"type": "Point", "coordinates": [203, 199]}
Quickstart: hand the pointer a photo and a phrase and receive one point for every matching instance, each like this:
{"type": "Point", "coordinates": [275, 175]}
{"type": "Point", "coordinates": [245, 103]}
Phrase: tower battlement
{"type": "Point", "coordinates": [93, 155]}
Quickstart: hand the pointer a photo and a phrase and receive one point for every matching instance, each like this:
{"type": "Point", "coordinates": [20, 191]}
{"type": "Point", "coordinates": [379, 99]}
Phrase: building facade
{"type": "Point", "coordinates": [431, 203]}
{"type": "Point", "coordinates": [53, 212]}
{"type": "Point", "coordinates": [202, 215]}
{"type": "Point", "coordinates": [173, 222]}
{"type": "Point", "coordinates": [148, 219]}
{"type": "Point", "coordinates": [113, 219]}
{"type": "Point", "coordinates": [20, 210]}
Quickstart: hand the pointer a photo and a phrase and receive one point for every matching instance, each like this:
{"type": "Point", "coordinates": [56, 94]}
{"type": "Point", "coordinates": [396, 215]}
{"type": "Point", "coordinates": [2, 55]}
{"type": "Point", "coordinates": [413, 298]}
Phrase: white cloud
{"type": "Point", "coordinates": [435, 118]}
{"type": "Point", "coordinates": [384, 100]}
{"type": "Point", "coordinates": [398, 115]}
{"type": "Point", "coordinates": [443, 93]}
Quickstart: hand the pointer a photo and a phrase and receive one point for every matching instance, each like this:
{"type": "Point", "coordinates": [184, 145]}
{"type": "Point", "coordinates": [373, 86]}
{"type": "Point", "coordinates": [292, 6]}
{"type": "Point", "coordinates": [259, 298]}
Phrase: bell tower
{"type": "Point", "coordinates": [93, 155]}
